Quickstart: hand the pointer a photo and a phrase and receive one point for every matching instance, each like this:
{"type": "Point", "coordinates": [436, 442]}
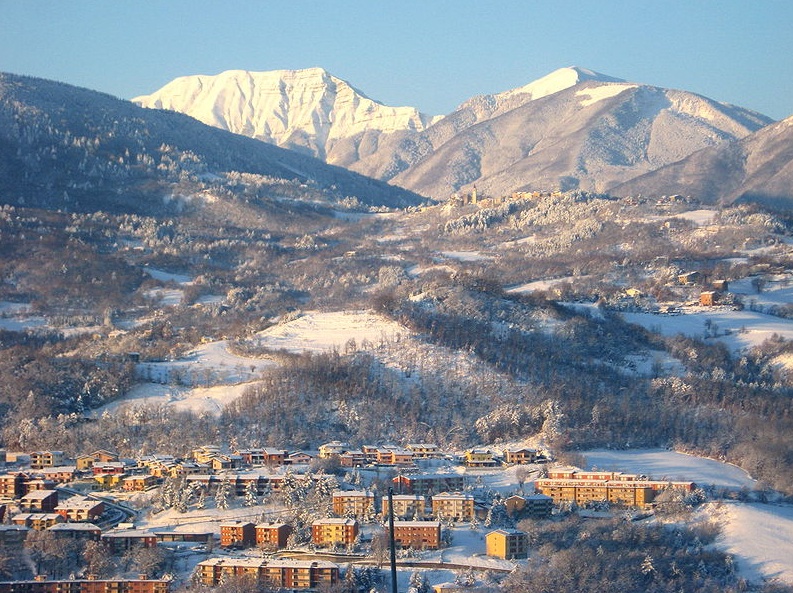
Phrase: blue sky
{"type": "Point", "coordinates": [432, 54]}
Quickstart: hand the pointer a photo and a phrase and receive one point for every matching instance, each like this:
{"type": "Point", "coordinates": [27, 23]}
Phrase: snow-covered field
{"type": "Point", "coordinates": [209, 400]}
{"type": "Point", "coordinates": [760, 536]}
{"type": "Point", "coordinates": [737, 329]}
{"type": "Point", "coordinates": [698, 217]}
{"type": "Point", "coordinates": [466, 256]}
{"type": "Point", "coordinates": [545, 284]}
{"type": "Point", "coordinates": [777, 291]}
{"type": "Point", "coordinates": [210, 376]}
{"type": "Point", "coordinates": [660, 464]}
{"type": "Point", "coordinates": [321, 332]}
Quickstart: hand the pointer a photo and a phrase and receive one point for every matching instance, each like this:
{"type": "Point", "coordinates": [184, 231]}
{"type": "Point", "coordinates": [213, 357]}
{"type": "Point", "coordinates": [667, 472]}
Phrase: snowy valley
{"type": "Point", "coordinates": [199, 329]}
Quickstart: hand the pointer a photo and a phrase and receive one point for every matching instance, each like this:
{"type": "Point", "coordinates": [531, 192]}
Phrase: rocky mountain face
{"type": "Point", "coordinates": [63, 146]}
{"type": "Point", "coordinates": [757, 168]}
{"type": "Point", "coordinates": [574, 128]}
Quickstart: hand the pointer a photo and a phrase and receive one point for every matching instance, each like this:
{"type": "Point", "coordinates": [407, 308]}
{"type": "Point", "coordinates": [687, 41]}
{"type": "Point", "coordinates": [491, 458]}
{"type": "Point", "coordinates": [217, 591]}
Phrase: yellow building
{"type": "Point", "coordinates": [479, 458]}
{"type": "Point", "coordinates": [507, 544]}
{"type": "Point", "coordinates": [108, 481]}
{"type": "Point", "coordinates": [334, 532]}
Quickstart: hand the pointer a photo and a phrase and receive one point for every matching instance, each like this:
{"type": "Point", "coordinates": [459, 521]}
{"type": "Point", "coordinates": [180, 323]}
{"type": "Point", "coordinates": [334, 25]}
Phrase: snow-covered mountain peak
{"type": "Point", "coordinates": [559, 80]}
{"type": "Point", "coordinates": [308, 109]}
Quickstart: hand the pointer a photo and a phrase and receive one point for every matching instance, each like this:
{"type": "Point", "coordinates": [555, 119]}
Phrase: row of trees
{"type": "Point", "coordinates": [47, 553]}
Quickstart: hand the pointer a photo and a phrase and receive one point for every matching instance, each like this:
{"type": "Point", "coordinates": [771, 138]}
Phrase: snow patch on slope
{"type": "Point", "coordinates": [761, 536]}
{"type": "Point", "coordinates": [321, 332]}
{"type": "Point", "coordinates": [599, 93]}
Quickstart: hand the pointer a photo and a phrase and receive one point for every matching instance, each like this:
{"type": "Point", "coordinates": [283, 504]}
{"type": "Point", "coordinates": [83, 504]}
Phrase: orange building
{"type": "Point", "coordinates": [60, 474]}
{"type": "Point", "coordinates": [272, 535]}
{"type": "Point", "coordinates": [582, 487]}
{"type": "Point", "coordinates": [79, 508]}
{"type": "Point", "coordinates": [419, 535]}
{"type": "Point", "coordinates": [238, 533]}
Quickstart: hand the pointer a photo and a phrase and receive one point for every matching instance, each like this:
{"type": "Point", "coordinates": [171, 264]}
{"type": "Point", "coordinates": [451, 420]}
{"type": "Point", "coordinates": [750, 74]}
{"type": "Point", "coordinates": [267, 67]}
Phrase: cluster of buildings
{"type": "Point", "coordinates": [571, 484]}
{"type": "Point", "coordinates": [421, 502]}
{"type": "Point", "coordinates": [108, 471]}
{"type": "Point", "coordinates": [412, 452]}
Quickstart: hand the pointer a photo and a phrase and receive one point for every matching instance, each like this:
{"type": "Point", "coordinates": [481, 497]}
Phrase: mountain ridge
{"type": "Point", "coordinates": [590, 136]}
{"type": "Point", "coordinates": [573, 128]}
{"type": "Point", "coordinates": [56, 138]}
{"type": "Point", "coordinates": [307, 110]}
{"type": "Point", "coordinates": [756, 168]}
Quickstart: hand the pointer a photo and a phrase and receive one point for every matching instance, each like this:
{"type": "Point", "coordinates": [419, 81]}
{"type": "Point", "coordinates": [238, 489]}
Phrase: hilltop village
{"type": "Point", "coordinates": [294, 520]}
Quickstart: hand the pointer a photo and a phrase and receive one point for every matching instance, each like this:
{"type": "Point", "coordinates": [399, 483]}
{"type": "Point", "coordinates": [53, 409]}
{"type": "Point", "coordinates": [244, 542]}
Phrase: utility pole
{"type": "Point", "coordinates": [391, 540]}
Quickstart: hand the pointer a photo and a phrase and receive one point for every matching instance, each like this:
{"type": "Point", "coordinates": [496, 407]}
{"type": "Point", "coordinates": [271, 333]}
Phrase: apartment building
{"type": "Point", "coordinates": [37, 521]}
{"type": "Point", "coordinates": [454, 506]}
{"type": "Point", "coordinates": [520, 456]}
{"type": "Point", "coordinates": [80, 508]}
{"type": "Point", "coordinates": [334, 532]}
{"type": "Point", "coordinates": [238, 533]}
{"type": "Point", "coordinates": [584, 487]}
{"type": "Point", "coordinates": [12, 485]}
{"type": "Point", "coordinates": [42, 459]}
{"type": "Point", "coordinates": [87, 586]}
{"type": "Point", "coordinates": [42, 501]}
{"type": "Point", "coordinates": [508, 544]}
{"type": "Point", "coordinates": [424, 450]}
{"type": "Point", "coordinates": [407, 506]}
{"type": "Point", "coordinates": [419, 535]}
{"type": "Point", "coordinates": [120, 540]}
{"type": "Point", "coordinates": [272, 535]}
{"type": "Point", "coordinates": [277, 573]}
{"type": "Point", "coordinates": [78, 531]}
{"type": "Point", "coordinates": [354, 503]}
{"type": "Point", "coordinates": [427, 484]}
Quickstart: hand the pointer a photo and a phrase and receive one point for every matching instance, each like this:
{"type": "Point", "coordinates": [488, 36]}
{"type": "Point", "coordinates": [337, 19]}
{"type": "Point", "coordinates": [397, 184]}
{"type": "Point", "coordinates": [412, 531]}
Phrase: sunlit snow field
{"type": "Point", "coordinates": [210, 376]}
{"type": "Point", "coordinates": [759, 535]}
